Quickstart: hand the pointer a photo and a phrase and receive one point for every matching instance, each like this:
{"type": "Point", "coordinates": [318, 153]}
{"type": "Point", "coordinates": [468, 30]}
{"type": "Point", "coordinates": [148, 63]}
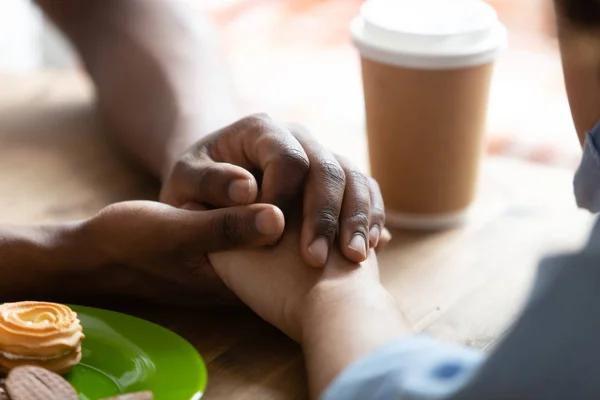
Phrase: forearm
{"type": "Point", "coordinates": [32, 256]}
{"type": "Point", "coordinates": [339, 328]}
{"type": "Point", "coordinates": [159, 78]}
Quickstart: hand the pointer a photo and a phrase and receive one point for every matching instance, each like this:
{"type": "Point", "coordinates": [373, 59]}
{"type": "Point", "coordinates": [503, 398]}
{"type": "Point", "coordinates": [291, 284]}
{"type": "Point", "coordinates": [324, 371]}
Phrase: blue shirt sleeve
{"type": "Point", "coordinates": [587, 178]}
{"type": "Point", "coordinates": [417, 368]}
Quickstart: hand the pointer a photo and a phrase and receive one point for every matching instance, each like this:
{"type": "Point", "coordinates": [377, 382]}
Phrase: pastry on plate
{"type": "Point", "coordinates": [32, 383]}
{"type": "Point", "coordinates": [3, 394]}
{"type": "Point", "coordinates": [42, 334]}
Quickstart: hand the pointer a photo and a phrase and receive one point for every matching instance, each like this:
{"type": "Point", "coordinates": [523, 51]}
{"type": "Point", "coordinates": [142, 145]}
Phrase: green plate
{"type": "Point", "coordinates": [124, 354]}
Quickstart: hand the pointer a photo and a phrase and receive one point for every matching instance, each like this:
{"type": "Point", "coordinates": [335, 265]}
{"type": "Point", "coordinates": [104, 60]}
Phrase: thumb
{"type": "Point", "coordinates": [233, 227]}
{"type": "Point", "coordinates": [208, 182]}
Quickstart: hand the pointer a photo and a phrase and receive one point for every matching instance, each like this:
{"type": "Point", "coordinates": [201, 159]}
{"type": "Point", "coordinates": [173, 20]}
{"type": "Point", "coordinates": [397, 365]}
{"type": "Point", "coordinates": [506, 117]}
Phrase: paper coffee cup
{"type": "Point", "coordinates": [426, 68]}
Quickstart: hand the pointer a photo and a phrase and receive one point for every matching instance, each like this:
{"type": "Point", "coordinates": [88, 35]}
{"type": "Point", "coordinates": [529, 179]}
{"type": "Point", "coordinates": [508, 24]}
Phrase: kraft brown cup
{"type": "Point", "coordinates": [425, 131]}
{"type": "Point", "coordinates": [426, 79]}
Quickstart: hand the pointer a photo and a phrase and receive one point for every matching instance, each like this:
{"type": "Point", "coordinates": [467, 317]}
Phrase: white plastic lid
{"type": "Point", "coordinates": [431, 34]}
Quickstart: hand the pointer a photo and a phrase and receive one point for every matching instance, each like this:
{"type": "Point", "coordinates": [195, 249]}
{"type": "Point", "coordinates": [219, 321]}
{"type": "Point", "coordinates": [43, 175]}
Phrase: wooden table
{"type": "Point", "coordinates": [464, 286]}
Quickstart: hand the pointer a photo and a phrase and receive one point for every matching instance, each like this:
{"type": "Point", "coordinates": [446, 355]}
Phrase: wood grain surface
{"type": "Point", "coordinates": [465, 285]}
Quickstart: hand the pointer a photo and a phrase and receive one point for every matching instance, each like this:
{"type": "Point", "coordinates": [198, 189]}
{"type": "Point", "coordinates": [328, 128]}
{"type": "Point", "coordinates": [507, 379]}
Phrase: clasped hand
{"type": "Point", "coordinates": [231, 190]}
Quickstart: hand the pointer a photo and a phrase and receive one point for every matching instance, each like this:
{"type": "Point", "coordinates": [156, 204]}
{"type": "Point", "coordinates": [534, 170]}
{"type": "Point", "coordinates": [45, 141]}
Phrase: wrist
{"type": "Point", "coordinates": [33, 256]}
{"type": "Point", "coordinates": [70, 248]}
{"type": "Point", "coordinates": [344, 323]}
{"type": "Point", "coordinates": [330, 299]}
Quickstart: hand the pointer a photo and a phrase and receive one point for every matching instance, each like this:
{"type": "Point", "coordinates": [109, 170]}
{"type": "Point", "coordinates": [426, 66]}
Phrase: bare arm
{"type": "Point", "coordinates": [159, 79]}
{"type": "Point", "coordinates": [341, 327]}
{"type": "Point", "coordinates": [141, 249]}
{"type": "Point", "coordinates": [337, 313]}
{"type": "Point", "coordinates": [31, 256]}
{"type": "Point", "coordinates": [162, 88]}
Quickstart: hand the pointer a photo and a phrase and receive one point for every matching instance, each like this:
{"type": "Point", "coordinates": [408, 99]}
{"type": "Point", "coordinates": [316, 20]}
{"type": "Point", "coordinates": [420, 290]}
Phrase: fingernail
{"type": "Point", "coordinates": [268, 222]}
{"type": "Point", "coordinates": [358, 245]}
{"type": "Point", "coordinates": [374, 236]}
{"type": "Point", "coordinates": [319, 250]}
{"type": "Point", "coordinates": [385, 234]}
{"type": "Point", "coordinates": [239, 191]}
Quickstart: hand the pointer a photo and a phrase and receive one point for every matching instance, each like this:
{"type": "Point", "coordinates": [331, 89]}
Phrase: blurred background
{"type": "Point", "coordinates": [293, 58]}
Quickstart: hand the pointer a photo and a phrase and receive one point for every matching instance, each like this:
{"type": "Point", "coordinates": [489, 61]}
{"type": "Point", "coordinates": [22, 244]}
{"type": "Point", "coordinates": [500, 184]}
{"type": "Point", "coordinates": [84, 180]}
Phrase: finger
{"type": "Point", "coordinates": [234, 227]}
{"type": "Point", "coordinates": [258, 142]}
{"type": "Point", "coordinates": [323, 195]}
{"type": "Point", "coordinates": [202, 180]}
{"type": "Point", "coordinates": [355, 214]}
{"type": "Point", "coordinates": [384, 239]}
{"type": "Point", "coordinates": [377, 222]}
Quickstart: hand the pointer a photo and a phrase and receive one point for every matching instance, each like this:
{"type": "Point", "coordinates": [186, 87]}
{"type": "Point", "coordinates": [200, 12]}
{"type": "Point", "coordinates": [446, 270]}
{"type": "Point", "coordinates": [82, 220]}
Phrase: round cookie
{"type": "Point", "coordinates": [59, 365]}
{"type": "Point", "coordinates": [3, 394]}
{"type": "Point", "coordinates": [35, 383]}
{"type": "Point", "coordinates": [38, 333]}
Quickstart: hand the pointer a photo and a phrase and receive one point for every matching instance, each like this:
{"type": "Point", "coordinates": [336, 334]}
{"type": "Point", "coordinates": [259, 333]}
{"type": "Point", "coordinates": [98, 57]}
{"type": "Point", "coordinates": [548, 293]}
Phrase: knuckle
{"type": "Point", "coordinates": [256, 121]}
{"type": "Point", "coordinates": [378, 215]}
{"type": "Point", "coordinates": [333, 174]}
{"type": "Point", "coordinates": [327, 222]}
{"type": "Point", "coordinates": [110, 211]}
{"type": "Point", "coordinates": [182, 166]}
{"type": "Point", "coordinates": [358, 219]}
{"type": "Point", "coordinates": [374, 184]}
{"type": "Point", "coordinates": [377, 204]}
{"type": "Point", "coordinates": [296, 160]}
{"type": "Point", "coordinates": [230, 229]}
{"type": "Point", "coordinates": [207, 175]}
{"type": "Point", "coordinates": [209, 145]}
{"type": "Point", "coordinates": [377, 209]}
{"type": "Point", "coordinates": [376, 197]}
{"type": "Point", "coordinates": [357, 178]}
{"type": "Point", "coordinates": [378, 219]}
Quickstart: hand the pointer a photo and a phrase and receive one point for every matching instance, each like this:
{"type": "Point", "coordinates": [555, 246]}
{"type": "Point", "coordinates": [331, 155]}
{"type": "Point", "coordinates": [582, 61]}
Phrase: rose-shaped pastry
{"type": "Point", "coordinates": [47, 335]}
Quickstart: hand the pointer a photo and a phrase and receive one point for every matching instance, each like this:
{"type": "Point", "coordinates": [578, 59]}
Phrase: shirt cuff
{"type": "Point", "coordinates": [586, 183]}
{"type": "Point", "coordinates": [417, 368]}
